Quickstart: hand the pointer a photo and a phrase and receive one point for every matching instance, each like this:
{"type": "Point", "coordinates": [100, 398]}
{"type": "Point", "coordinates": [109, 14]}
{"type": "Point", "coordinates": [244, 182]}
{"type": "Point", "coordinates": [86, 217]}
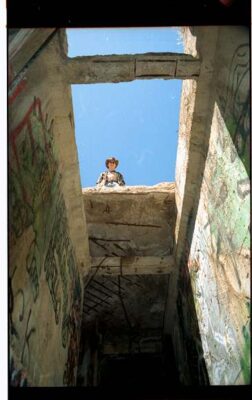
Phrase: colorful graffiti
{"type": "Point", "coordinates": [246, 351]}
{"type": "Point", "coordinates": [214, 277]}
{"type": "Point", "coordinates": [18, 376]}
{"type": "Point", "coordinates": [235, 105]}
{"type": "Point", "coordinates": [16, 89]}
{"type": "Point", "coordinates": [32, 170]}
{"type": "Point", "coordinates": [37, 212]}
{"type": "Point", "coordinates": [228, 209]}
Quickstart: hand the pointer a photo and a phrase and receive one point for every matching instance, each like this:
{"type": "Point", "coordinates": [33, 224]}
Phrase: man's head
{"type": "Point", "coordinates": [111, 163]}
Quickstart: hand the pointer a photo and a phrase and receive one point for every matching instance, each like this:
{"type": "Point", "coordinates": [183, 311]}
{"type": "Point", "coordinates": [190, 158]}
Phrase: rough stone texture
{"type": "Point", "coordinates": [46, 211]}
{"type": "Point", "coordinates": [130, 221]}
{"type": "Point", "coordinates": [217, 234]}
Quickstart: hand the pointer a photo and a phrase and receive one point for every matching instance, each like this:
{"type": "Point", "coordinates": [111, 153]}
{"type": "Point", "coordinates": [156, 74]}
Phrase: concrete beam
{"type": "Point", "coordinates": [197, 149]}
{"type": "Point", "coordinates": [24, 46]}
{"type": "Point", "coordinates": [199, 136]}
{"type": "Point", "coordinates": [125, 68]}
{"type": "Point", "coordinates": [132, 265]}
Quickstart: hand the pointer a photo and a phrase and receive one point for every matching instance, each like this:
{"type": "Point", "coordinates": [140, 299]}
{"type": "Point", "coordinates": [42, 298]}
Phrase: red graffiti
{"type": "Point", "coordinates": [35, 106]}
{"type": "Point", "coordinates": [18, 89]}
{"type": "Point", "coordinates": [25, 128]}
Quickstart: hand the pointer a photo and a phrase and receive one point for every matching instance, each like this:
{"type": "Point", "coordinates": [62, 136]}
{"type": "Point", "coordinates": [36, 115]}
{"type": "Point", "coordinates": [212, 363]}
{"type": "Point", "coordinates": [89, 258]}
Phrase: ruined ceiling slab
{"type": "Point", "coordinates": [130, 221]}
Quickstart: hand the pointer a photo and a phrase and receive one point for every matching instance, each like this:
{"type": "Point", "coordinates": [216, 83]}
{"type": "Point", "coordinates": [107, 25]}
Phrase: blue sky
{"type": "Point", "coordinates": [137, 122]}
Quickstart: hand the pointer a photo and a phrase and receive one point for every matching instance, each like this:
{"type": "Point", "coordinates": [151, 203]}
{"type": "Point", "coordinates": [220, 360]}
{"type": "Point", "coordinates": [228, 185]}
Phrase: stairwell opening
{"type": "Point", "coordinates": [214, 133]}
{"type": "Point", "coordinates": [124, 338]}
{"type": "Point", "coordinates": [142, 292]}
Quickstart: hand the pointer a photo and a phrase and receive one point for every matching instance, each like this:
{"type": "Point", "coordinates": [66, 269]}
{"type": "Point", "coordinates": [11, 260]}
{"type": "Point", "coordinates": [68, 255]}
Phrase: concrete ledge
{"type": "Point", "coordinates": [160, 187]}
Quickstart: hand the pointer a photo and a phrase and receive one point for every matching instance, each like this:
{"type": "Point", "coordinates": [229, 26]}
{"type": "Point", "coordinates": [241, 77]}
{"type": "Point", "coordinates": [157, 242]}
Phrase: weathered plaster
{"type": "Point", "coordinates": [217, 264]}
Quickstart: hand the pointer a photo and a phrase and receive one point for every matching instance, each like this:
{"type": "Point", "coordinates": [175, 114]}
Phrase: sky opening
{"type": "Point", "coordinates": [137, 122]}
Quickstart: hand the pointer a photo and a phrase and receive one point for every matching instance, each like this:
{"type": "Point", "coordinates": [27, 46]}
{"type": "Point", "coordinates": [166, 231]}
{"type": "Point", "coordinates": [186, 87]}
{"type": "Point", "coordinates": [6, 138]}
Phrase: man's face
{"type": "Point", "coordinates": [111, 166]}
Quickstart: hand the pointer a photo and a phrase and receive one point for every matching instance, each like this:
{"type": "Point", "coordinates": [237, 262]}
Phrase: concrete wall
{"type": "Point", "coordinates": [45, 215]}
{"type": "Point", "coordinates": [219, 257]}
{"type": "Point", "coordinates": [48, 239]}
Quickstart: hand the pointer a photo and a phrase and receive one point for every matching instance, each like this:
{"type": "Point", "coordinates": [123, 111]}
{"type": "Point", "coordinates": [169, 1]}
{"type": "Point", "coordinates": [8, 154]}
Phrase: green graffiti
{"type": "Point", "coordinates": [245, 359]}
{"type": "Point", "coordinates": [240, 137]}
{"type": "Point", "coordinates": [228, 194]}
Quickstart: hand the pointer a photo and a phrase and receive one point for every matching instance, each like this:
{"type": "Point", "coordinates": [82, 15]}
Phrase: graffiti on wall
{"type": "Point", "coordinates": [32, 169]}
{"type": "Point", "coordinates": [227, 190]}
{"type": "Point", "coordinates": [246, 350]}
{"type": "Point", "coordinates": [218, 260]}
{"type": "Point", "coordinates": [60, 270]}
{"type": "Point", "coordinates": [190, 341]}
{"type": "Point", "coordinates": [235, 104]}
{"type": "Point", "coordinates": [26, 347]}
{"type": "Point", "coordinates": [32, 269]}
{"type": "Point", "coordinates": [15, 87]}
{"type": "Point", "coordinates": [37, 216]}
{"type": "Point", "coordinates": [216, 270]}
{"type": "Point", "coordinates": [17, 301]}
{"type": "Point", "coordinates": [74, 327]}
{"type": "Point", "coordinates": [18, 376]}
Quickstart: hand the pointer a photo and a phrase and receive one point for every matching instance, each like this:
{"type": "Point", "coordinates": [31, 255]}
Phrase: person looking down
{"type": "Point", "coordinates": [111, 177]}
